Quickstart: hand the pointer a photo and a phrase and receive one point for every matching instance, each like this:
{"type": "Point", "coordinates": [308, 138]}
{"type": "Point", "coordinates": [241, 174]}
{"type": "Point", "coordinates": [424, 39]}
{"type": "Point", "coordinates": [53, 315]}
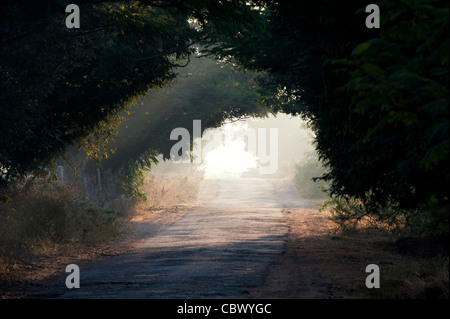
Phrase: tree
{"type": "Point", "coordinates": [205, 90]}
{"type": "Point", "coordinates": [377, 99]}
{"type": "Point", "coordinates": [59, 84]}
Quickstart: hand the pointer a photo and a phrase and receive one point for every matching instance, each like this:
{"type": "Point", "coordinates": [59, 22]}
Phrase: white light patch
{"type": "Point", "coordinates": [228, 161]}
{"type": "Point", "coordinates": [231, 159]}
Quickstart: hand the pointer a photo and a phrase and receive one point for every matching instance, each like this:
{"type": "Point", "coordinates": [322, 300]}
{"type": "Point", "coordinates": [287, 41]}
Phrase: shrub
{"type": "Point", "coordinates": [305, 179]}
{"type": "Point", "coordinates": [349, 212]}
{"type": "Point", "coordinates": [44, 211]}
{"type": "Point", "coordinates": [168, 191]}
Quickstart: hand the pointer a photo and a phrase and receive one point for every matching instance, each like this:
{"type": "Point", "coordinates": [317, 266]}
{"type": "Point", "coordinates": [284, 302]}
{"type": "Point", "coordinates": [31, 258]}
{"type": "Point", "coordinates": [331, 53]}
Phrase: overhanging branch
{"type": "Point", "coordinates": [165, 53]}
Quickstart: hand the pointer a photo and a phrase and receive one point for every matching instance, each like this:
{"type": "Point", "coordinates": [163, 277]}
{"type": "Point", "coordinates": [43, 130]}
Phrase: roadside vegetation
{"type": "Point", "coordinates": [375, 99]}
{"type": "Point", "coordinates": [414, 259]}
{"type": "Point", "coordinates": [306, 178]}
{"type": "Point", "coordinates": [411, 267]}
{"type": "Point", "coordinates": [43, 221]}
{"type": "Point", "coordinates": [411, 250]}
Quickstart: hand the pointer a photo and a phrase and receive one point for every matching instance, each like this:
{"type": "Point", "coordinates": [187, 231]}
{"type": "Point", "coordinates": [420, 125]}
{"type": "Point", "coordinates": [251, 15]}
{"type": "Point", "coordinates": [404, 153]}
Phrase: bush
{"type": "Point", "coordinates": [168, 191]}
{"type": "Point", "coordinates": [305, 175]}
{"type": "Point", "coordinates": [43, 211]}
{"type": "Point", "coordinates": [349, 213]}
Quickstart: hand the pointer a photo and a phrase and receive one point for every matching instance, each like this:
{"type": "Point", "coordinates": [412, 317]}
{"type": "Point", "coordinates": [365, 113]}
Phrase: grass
{"type": "Point", "coordinates": [169, 190]}
{"type": "Point", "coordinates": [45, 219]}
{"type": "Point", "coordinates": [415, 273]}
{"type": "Point", "coordinates": [45, 224]}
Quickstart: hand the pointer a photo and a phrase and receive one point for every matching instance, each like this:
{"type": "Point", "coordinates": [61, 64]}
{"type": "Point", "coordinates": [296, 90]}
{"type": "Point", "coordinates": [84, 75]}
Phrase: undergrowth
{"type": "Point", "coordinates": [42, 218]}
{"type": "Point", "coordinates": [420, 261]}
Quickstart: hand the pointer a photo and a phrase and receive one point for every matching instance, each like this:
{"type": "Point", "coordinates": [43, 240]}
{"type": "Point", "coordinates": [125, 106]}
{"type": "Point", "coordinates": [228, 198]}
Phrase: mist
{"type": "Point", "coordinates": [247, 148]}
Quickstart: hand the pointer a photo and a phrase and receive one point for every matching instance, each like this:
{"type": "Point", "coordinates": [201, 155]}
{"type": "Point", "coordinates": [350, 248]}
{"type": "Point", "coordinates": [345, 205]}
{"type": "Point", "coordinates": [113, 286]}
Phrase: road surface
{"type": "Point", "coordinates": [218, 250]}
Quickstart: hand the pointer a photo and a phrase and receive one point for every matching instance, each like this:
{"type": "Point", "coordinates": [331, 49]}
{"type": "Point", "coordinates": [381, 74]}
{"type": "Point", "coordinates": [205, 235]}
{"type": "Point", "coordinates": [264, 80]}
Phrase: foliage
{"type": "Point", "coordinates": [169, 191]}
{"type": "Point", "coordinates": [59, 84]}
{"type": "Point", "coordinates": [377, 99]}
{"type": "Point", "coordinates": [204, 90]}
{"type": "Point", "coordinates": [43, 210]}
{"type": "Point", "coordinates": [306, 179]}
{"type": "Point", "coordinates": [398, 109]}
{"type": "Point", "coordinates": [349, 213]}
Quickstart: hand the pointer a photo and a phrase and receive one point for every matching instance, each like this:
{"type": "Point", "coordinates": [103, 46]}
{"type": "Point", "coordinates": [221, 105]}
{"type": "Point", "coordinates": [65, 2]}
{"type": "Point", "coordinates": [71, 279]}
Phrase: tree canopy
{"type": "Point", "coordinates": [204, 90]}
{"type": "Point", "coordinates": [59, 84]}
{"type": "Point", "coordinates": [377, 99]}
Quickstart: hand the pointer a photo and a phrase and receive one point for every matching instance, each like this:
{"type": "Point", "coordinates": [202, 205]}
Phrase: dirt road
{"type": "Point", "coordinates": [220, 249]}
